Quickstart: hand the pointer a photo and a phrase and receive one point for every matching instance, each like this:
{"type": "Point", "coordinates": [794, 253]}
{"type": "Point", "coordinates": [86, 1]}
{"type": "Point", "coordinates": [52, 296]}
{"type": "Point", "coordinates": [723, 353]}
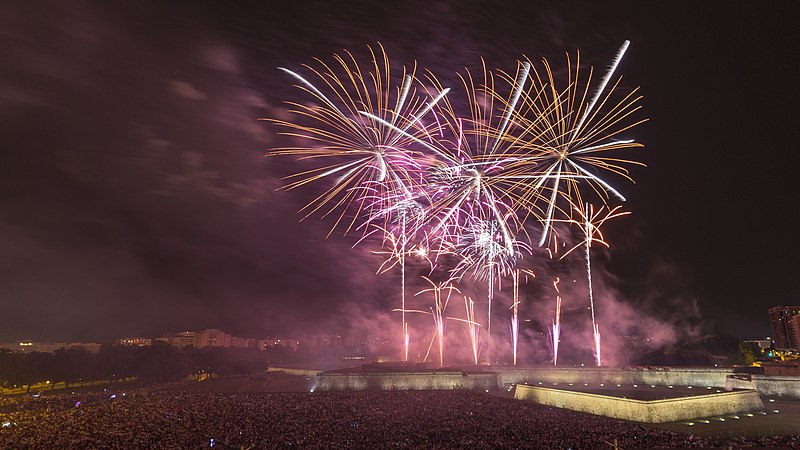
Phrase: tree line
{"type": "Point", "coordinates": [159, 363]}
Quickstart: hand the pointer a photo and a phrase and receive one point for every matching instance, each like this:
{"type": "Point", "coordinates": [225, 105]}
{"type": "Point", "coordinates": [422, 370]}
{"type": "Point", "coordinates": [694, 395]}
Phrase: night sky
{"type": "Point", "coordinates": [136, 198]}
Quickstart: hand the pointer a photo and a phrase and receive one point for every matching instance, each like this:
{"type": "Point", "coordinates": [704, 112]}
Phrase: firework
{"type": "Point", "coordinates": [590, 224]}
{"type": "Point", "coordinates": [515, 316]}
{"type": "Point", "coordinates": [564, 135]}
{"type": "Point", "coordinates": [465, 179]}
{"type": "Point", "coordinates": [473, 328]}
{"type": "Point", "coordinates": [399, 250]}
{"type": "Point", "coordinates": [440, 302]}
{"type": "Point", "coordinates": [357, 153]}
{"type": "Point", "coordinates": [400, 160]}
{"type": "Point", "coordinates": [474, 335]}
{"type": "Point", "coordinates": [468, 180]}
{"type": "Point", "coordinates": [482, 251]}
{"type": "Point", "coordinates": [372, 166]}
{"type": "Point", "coordinates": [515, 277]}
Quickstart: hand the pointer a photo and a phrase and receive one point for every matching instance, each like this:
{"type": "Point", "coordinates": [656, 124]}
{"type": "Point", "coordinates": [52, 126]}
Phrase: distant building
{"type": "Point", "coordinates": [180, 340]}
{"type": "Point", "coordinates": [278, 342]}
{"type": "Point", "coordinates": [348, 342]}
{"type": "Point", "coordinates": [783, 326]}
{"type": "Point", "coordinates": [322, 341]}
{"type": "Point", "coordinates": [238, 342]}
{"type": "Point", "coordinates": [212, 337]}
{"type": "Point", "coordinates": [215, 338]}
{"type": "Point", "coordinates": [134, 342]}
{"type": "Point", "coordinates": [763, 344]}
{"type": "Point", "coordinates": [796, 329]}
{"type": "Point", "coordinates": [50, 347]}
{"type": "Point", "coordinates": [782, 368]}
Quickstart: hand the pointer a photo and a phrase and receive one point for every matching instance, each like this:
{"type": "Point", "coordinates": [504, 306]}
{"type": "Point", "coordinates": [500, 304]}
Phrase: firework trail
{"type": "Point", "coordinates": [557, 322]}
{"type": "Point", "coordinates": [437, 312]}
{"type": "Point", "coordinates": [566, 135]}
{"type": "Point", "coordinates": [590, 224]}
{"type": "Point", "coordinates": [515, 276]}
{"type": "Point", "coordinates": [515, 316]}
{"type": "Point", "coordinates": [473, 330]}
{"type": "Point", "coordinates": [358, 152]}
{"type": "Point", "coordinates": [400, 248]}
{"type": "Point", "coordinates": [398, 252]}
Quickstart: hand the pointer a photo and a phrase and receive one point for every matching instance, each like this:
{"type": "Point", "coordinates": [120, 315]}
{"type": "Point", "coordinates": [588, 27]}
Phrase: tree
{"type": "Point", "coordinates": [748, 352]}
{"type": "Point", "coordinates": [162, 363]}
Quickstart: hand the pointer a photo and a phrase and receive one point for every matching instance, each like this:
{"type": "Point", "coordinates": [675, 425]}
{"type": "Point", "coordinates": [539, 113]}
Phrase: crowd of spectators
{"type": "Point", "coordinates": [148, 418]}
{"type": "Point", "coordinates": [87, 420]}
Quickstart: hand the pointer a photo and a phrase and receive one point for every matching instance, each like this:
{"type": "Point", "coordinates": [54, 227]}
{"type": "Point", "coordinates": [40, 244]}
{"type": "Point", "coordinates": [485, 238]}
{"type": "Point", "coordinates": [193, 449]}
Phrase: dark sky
{"type": "Point", "coordinates": [135, 197]}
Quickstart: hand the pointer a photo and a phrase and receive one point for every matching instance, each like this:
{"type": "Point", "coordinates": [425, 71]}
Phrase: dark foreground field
{"type": "Point", "coordinates": [175, 418]}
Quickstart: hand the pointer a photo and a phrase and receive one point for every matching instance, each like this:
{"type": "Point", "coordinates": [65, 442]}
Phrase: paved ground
{"type": "Point", "coordinates": [781, 417]}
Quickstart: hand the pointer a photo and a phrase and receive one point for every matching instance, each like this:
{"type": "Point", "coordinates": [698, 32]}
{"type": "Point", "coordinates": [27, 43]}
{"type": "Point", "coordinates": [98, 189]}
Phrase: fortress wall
{"type": "Point", "coordinates": [782, 386]}
{"type": "Point", "coordinates": [656, 411]}
{"type": "Point", "coordinates": [406, 381]}
{"type": "Point", "coordinates": [739, 383]}
{"type": "Point", "coordinates": [289, 371]}
{"type": "Point", "coordinates": [680, 376]}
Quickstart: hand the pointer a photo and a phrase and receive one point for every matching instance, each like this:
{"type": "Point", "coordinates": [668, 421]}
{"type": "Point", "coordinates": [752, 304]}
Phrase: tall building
{"type": "Point", "coordinates": [784, 327]}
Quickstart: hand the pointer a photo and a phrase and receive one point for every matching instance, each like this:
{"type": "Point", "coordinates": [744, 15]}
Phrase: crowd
{"type": "Point", "coordinates": [146, 418]}
{"type": "Point", "coordinates": [87, 420]}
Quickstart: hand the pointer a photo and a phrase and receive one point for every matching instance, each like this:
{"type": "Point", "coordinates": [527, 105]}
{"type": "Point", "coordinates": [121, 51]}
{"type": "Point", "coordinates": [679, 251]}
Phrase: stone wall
{"type": "Point", "coordinates": [678, 376]}
{"type": "Point", "coordinates": [655, 411]}
{"type": "Point", "coordinates": [406, 381]}
{"type": "Point", "coordinates": [291, 371]}
{"type": "Point", "coordinates": [781, 386]}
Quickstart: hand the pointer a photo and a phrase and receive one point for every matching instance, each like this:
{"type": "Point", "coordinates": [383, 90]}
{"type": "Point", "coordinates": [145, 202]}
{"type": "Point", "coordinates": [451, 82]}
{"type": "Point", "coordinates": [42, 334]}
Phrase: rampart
{"type": "Point", "coordinates": [292, 371]}
{"type": "Point", "coordinates": [772, 385]}
{"type": "Point", "coordinates": [678, 376]}
{"type": "Point", "coordinates": [332, 381]}
{"type": "Point", "coordinates": [653, 411]}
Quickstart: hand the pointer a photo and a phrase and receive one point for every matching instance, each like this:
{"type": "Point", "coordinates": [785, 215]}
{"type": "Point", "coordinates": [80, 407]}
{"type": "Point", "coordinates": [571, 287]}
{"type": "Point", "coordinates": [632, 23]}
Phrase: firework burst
{"type": "Point", "coordinates": [566, 134]}
{"type": "Point", "coordinates": [364, 157]}
{"type": "Point", "coordinates": [436, 178]}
